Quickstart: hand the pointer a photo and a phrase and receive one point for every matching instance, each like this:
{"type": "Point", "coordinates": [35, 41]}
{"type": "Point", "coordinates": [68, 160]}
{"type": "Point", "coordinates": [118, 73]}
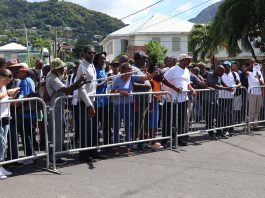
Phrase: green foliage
{"type": "Point", "coordinates": [156, 53]}
{"type": "Point", "coordinates": [31, 61]}
{"type": "Point", "coordinates": [84, 23]}
{"type": "Point", "coordinates": [117, 58]}
{"type": "Point", "coordinates": [241, 20]}
{"type": "Point", "coordinates": [41, 43]}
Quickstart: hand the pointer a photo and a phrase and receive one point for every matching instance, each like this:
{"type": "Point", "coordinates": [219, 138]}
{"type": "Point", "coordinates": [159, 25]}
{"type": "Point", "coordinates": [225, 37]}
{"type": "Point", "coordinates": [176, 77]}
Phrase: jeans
{"type": "Point", "coordinates": [3, 140]}
{"type": "Point", "coordinates": [123, 111]}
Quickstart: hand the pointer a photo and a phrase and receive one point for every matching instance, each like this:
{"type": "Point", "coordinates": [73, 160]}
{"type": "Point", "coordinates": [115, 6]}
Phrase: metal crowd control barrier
{"type": "Point", "coordinates": [213, 111]}
{"type": "Point", "coordinates": [27, 137]}
{"type": "Point", "coordinates": [256, 110]}
{"type": "Point", "coordinates": [119, 121]}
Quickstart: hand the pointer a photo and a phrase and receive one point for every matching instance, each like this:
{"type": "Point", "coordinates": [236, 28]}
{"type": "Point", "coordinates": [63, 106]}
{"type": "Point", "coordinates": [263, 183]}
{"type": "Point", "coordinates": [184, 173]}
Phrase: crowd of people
{"type": "Point", "coordinates": [197, 93]}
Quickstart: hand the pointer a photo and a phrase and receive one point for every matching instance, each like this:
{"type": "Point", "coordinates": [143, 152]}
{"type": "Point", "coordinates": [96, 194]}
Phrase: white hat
{"type": "Point", "coordinates": [184, 56]}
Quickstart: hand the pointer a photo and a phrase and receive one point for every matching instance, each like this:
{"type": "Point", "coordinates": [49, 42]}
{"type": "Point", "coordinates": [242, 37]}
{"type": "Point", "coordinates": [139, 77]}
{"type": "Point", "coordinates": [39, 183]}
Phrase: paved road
{"type": "Point", "coordinates": [223, 168]}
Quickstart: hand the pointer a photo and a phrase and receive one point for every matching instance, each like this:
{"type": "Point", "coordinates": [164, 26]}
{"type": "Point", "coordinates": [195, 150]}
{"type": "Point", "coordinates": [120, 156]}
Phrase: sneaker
{"type": "Point", "coordinates": [5, 172]}
{"type": "Point", "coordinates": [2, 176]}
{"type": "Point", "coordinates": [28, 162]}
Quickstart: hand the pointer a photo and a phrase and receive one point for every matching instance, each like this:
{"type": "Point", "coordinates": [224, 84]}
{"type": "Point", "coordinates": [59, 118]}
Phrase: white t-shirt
{"type": "Point", "coordinates": [179, 78]}
{"type": "Point", "coordinates": [4, 107]}
{"type": "Point", "coordinates": [229, 80]}
{"type": "Point", "coordinates": [163, 71]}
{"type": "Point", "coordinates": [253, 84]}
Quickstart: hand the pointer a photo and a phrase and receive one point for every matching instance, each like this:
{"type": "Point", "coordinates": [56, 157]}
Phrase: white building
{"type": "Point", "coordinates": [171, 32]}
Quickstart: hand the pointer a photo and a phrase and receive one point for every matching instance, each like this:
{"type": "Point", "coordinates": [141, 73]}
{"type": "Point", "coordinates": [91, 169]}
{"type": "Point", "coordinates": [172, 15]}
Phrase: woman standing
{"type": "Point", "coordinates": [124, 103]}
{"type": "Point", "coordinates": [5, 78]}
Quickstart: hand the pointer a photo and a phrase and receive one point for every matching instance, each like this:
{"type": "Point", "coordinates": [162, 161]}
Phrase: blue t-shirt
{"type": "Point", "coordinates": [121, 85]}
{"type": "Point", "coordinates": [27, 86]}
{"type": "Point", "coordinates": [101, 100]}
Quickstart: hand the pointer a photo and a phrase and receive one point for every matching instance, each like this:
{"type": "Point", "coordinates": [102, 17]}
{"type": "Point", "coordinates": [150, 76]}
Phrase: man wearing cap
{"type": "Point", "coordinates": [56, 88]}
{"type": "Point", "coordinates": [225, 98]}
{"type": "Point", "coordinates": [179, 76]}
{"type": "Point", "coordinates": [141, 102]}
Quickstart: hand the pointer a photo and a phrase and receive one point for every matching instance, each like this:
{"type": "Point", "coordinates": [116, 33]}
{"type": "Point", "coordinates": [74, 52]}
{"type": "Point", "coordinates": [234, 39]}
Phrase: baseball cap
{"type": "Point", "coordinates": [184, 56]}
{"type": "Point", "coordinates": [139, 54]}
{"type": "Point", "coordinates": [228, 63]}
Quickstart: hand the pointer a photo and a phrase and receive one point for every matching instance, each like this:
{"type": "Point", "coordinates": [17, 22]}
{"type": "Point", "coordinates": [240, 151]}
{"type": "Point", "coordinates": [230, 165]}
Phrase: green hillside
{"type": "Point", "coordinates": [45, 16]}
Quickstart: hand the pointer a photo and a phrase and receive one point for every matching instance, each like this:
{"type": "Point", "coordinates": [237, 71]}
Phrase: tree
{"type": "Point", "coordinates": [156, 53]}
{"type": "Point", "coordinates": [201, 42]}
{"type": "Point", "coordinates": [241, 20]}
{"type": "Point", "coordinates": [41, 43]}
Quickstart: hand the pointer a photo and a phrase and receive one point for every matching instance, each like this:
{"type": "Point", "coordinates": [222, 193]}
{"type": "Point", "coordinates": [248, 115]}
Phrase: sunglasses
{"type": "Point", "coordinates": [115, 65]}
{"type": "Point", "coordinates": [91, 53]}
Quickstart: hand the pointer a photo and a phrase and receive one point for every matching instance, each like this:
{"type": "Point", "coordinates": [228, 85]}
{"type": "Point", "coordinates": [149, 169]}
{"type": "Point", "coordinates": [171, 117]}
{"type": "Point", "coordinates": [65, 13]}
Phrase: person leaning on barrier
{"type": "Point", "coordinates": [56, 88]}
{"type": "Point", "coordinates": [179, 76]}
{"type": "Point", "coordinates": [102, 102]}
{"type": "Point", "coordinates": [26, 111]}
{"type": "Point", "coordinates": [255, 80]}
{"type": "Point", "coordinates": [5, 78]}
{"type": "Point", "coordinates": [226, 98]}
{"type": "Point", "coordinates": [210, 103]}
{"type": "Point", "coordinates": [141, 101]}
{"type": "Point", "coordinates": [124, 103]}
{"type": "Point", "coordinates": [88, 130]}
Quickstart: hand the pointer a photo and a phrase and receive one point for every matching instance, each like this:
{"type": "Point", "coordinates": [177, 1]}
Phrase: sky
{"type": "Point", "coordinates": [183, 9]}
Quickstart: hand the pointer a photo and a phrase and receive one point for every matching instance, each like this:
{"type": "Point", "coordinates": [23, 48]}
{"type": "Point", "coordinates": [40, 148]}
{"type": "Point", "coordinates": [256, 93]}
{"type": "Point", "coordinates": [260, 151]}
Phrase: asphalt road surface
{"type": "Point", "coordinates": [233, 167]}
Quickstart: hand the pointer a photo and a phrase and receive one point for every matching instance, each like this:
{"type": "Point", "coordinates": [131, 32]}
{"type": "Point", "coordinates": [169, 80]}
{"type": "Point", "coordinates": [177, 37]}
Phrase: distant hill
{"type": "Point", "coordinates": [207, 15]}
{"type": "Point", "coordinates": [41, 16]}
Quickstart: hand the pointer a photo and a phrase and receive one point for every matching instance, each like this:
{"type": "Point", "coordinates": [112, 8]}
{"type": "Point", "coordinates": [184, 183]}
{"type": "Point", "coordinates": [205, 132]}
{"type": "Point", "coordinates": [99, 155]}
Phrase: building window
{"type": "Point", "coordinates": [157, 39]}
{"type": "Point", "coordinates": [124, 45]}
{"type": "Point", "coordinates": [175, 44]}
{"type": "Point", "coordinates": [109, 48]}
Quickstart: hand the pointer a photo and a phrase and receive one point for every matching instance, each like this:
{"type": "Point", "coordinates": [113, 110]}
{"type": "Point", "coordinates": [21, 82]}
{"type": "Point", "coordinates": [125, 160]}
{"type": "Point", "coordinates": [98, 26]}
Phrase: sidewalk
{"type": "Point", "coordinates": [233, 167]}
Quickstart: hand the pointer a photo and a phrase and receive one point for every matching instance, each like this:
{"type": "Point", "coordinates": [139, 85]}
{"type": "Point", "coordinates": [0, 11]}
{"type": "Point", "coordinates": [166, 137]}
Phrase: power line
{"type": "Point", "coordinates": [175, 15]}
{"type": "Point", "coordinates": [142, 9]}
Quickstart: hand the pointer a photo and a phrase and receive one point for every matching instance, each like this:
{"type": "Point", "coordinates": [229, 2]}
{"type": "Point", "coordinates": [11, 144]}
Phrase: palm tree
{"type": "Point", "coordinates": [41, 43]}
{"type": "Point", "coordinates": [201, 42]}
{"type": "Point", "coordinates": [240, 20]}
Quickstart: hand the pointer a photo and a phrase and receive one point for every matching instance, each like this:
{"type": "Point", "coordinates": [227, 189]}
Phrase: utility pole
{"type": "Point", "coordinates": [27, 43]}
{"type": "Point", "coordinates": [55, 46]}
